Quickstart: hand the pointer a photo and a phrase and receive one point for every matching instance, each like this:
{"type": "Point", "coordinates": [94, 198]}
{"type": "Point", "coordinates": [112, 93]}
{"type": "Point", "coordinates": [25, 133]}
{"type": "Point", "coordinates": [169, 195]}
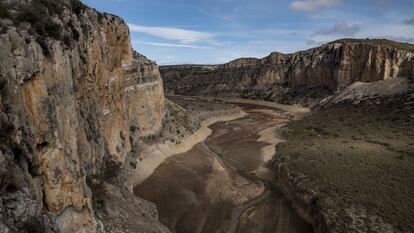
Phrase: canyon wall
{"type": "Point", "coordinates": [297, 77]}
{"type": "Point", "coordinates": [75, 99]}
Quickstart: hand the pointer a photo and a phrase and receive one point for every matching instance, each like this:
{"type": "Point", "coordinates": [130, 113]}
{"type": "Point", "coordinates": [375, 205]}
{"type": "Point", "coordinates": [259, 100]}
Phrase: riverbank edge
{"type": "Point", "coordinates": [319, 210]}
{"type": "Point", "coordinates": [158, 153]}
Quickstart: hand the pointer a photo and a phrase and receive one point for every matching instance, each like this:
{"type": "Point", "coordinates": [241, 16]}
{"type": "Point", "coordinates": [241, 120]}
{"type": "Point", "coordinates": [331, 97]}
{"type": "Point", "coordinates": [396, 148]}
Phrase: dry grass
{"type": "Point", "coordinates": [360, 154]}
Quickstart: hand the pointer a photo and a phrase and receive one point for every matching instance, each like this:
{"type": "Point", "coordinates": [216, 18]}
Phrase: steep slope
{"type": "Point", "coordinates": [347, 166]}
{"type": "Point", "coordinates": [297, 77]}
{"type": "Point", "coordinates": [75, 99]}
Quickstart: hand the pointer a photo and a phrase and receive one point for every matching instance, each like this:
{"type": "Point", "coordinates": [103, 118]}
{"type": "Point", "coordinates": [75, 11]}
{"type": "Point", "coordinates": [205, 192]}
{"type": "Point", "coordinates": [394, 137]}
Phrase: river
{"type": "Point", "coordinates": [223, 183]}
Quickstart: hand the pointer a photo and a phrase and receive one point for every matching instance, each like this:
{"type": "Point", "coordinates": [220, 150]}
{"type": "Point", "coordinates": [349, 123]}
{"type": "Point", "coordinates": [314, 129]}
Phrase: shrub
{"type": "Point", "coordinates": [77, 6]}
{"type": "Point", "coordinates": [75, 33]}
{"type": "Point", "coordinates": [101, 17]}
{"type": "Point", "coordinates": [53, 30]}
{"type": "Point", "coordinates": [4, 12]}
{"type": "Point", "coordinates": [68, 40]}
{"type": "Point", "coordinates": [43, 45]}
{"type": "Point", "coordinates": [33, 13]}
{"type": "Point", "coordinates": [53, 7]}
{"type": "Point", "coordinates": [6, 127]}
{"type": "Point", "coordinates": [3, 82]}
{"type": "Point", "coordinates": [38, 15]}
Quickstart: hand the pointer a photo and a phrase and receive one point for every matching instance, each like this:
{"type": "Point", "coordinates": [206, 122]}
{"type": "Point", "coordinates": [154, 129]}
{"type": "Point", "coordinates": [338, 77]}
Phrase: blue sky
{"type": "Point", "coordinates": [217, 31]}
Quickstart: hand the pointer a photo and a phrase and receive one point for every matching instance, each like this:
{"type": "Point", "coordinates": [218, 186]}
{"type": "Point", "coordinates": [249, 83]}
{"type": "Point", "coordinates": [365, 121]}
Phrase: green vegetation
{"type": "Point", "coordinates": [360, 154]}
{"type": "Point", "coordinates": [380, 42]}
{"type": "Point", "coordinates": [4, 13]}
{"type": "Point", "coordinates": [77, 6]}
{"type": "Point", "coordinates": [40, 13]}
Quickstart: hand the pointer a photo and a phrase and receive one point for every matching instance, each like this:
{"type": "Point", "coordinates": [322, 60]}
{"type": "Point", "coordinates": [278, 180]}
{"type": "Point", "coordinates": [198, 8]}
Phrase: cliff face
{"type": "Point", "coordinates": [310, 74]}
{"type": "Point", "coordinates": [72, 108]}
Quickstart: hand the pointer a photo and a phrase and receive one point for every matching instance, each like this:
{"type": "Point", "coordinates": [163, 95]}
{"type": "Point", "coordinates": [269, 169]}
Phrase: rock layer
{"type": "Point", "coordinates": [297, 77]}
{"type": "Point", "coordinates": [72, 110]}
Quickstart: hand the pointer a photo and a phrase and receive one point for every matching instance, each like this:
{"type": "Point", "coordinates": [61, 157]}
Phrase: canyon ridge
{"type": "Point", "coordinates": [95, 137]}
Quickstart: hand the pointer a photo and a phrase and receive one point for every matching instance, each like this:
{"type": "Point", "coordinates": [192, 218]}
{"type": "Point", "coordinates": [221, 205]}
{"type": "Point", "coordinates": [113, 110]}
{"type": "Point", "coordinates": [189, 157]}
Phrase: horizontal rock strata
{"type": "Point", "coordinates": [299, 77]}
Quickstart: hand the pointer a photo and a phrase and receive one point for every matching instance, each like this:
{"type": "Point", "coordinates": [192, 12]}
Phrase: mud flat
{"type": "Point", "coordinates": [154, 155]}
{"type": "Point", "coordinates": [222, 183]}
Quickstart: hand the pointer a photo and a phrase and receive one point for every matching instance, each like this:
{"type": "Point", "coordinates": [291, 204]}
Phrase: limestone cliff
{"type": "Point", "coordinates": [297, 77]}
{"type": "Point", "coordinates": [75, 99]}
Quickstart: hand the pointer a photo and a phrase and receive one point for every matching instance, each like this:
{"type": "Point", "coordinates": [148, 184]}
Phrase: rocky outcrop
{"type": "Point", "coordinates": [75, 100]}
{"type": "Point", "coordinates": [297, 77]}
{"type": "Point", "coordinates": [324, 214]}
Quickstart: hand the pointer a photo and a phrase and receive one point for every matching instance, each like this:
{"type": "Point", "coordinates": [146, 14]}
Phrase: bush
{"type": "Point", "coordinates": [3, 82]}
{"type": "Point", "coordinates": [4, 12]}
{"type": "Point", "coordinates": [32, 13]}
{"type": "Point", "coordinates": [53, 6]}
{"type": "Point", "coordinates": [53, 30]}
{"type": "Point", "coordinates": [75, 33]}
{"type": "Point", "coordinates": [77, 6]}
{"type": "Point", "coordinates": [43, 45]}
{"type": "Point", "coordinates": [68, 41]}
{"type": "Point", "coordinates": [39, 16]}
{"type": "Point", "coordinates": [6, 127]}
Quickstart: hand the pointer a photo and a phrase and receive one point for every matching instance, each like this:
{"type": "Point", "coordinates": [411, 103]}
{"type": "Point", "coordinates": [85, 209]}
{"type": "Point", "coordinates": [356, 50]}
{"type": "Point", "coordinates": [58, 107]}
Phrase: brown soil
{"type": "Point", "coordinates": [198, 192]}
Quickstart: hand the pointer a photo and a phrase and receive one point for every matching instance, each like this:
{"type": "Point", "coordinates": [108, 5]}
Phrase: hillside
{"type": "Point", "coordinates": [302, 77]}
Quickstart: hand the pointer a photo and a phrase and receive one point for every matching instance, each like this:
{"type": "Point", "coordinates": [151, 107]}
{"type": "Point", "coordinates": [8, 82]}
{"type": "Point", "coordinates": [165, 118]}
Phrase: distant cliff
{"type": "Point", "coordinates": [74, 100]}
{"type": "Point", "coordinates": [297, 77]}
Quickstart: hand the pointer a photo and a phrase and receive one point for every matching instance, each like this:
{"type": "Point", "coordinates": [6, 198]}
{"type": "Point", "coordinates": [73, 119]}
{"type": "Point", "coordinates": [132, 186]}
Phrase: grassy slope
{"type": "Point", "coordinates": [360, 154]}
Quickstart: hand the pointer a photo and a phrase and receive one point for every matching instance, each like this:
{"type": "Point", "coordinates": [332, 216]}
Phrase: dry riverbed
{"type": "Point", "coordinates": [222, 184]}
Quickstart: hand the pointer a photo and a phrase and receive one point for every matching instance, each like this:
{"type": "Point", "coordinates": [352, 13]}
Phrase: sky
{"type": "Point", "coordinates": [218, 31]}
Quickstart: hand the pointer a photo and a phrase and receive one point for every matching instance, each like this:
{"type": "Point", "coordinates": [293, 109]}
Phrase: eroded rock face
{"type": "Point", "coordinates": [298, 77]}
{"type": "Point", "coordinates": [69, 110]}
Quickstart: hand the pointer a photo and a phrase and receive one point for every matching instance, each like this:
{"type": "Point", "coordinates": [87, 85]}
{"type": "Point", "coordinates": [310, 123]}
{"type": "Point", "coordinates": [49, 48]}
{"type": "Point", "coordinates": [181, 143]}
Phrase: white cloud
{"type": "Point", "coordinates": [169, 33]}
{"type": "Point", "coordinates": [313, 42]}
{"type": "Point", "coordinates": [340, 28]}
{"type": "Point", "coordinates": [409, 21]}
{"type": "Point", "coordinates": [383, 2]}
{"type": "Point", "coordinates": [393, 31]}
{"type": "Point", "coordinates": [400, 38]}
{"type": "Point", "coordinates": [312, 5]}
{"type": "Point", "coordinates": [172, 45]}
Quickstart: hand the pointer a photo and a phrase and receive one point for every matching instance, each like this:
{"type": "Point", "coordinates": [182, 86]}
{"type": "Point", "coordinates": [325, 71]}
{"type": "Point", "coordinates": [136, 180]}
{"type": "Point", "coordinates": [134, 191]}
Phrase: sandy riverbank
{"type": "Point", "coordinates": [195, 192]}
{"type": "Point", "coordinates": [154, 155]}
